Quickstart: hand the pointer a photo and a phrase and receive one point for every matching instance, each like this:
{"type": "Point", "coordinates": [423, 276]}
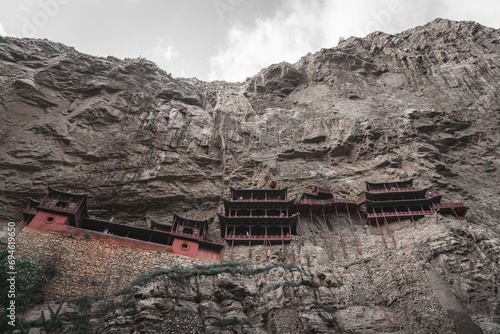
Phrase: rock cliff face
{"type": "Point", "coordinates": [423, 103]}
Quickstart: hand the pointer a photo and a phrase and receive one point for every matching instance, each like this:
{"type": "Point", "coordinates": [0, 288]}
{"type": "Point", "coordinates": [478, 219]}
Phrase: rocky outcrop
{"type": "Point", "coordinates": [422, 103]}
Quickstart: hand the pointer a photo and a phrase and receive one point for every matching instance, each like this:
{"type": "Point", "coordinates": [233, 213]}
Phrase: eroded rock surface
{"type": "Point", "coordinates": [423, 103]}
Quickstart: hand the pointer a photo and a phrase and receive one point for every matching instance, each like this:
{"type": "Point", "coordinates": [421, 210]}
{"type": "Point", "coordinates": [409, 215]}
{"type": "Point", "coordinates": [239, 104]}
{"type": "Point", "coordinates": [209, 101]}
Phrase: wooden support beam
{"type": "Point", "coordinates": [452, 210]}
{"type": "Point", "coordinates": [383, 239]}
{"type": "Point", "coordinates": [282, 241]}
{"type": "Point", "coordinates": [411, 215]}
{"type": "Point", "coordinates": [388, 229]}
{"type": "Point", "coordinates": [340, 232]}
{"type": "Point", "coordinates": [69, 202]}
{"type": "Point", "coordinates": [328, 234]}
{"type": "Point", "coordinates": [352, 228]}
{"type": "Point", "coordinates": [361, 220]}
{"type": "Point", "coordinates": [265, 240]}
{"type": "Point", "coordinates": [312, 225]}
{"type": "Point", "coordinates": [369, 223]}
{"type": "Point", "coordinates": [223, 251]}
{"type": "Point", "coordinates": [41, 203]}
{"type": "Point", "coordinates": [300, 226]}
{"type": "Point", "coordinates": [250, 242]}
{"type": "Point", "coordinates": [265, 248]}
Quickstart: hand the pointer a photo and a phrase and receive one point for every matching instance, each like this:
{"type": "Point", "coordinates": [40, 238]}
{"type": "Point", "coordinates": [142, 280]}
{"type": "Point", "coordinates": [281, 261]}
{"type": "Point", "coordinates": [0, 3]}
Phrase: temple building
{"type": "Point", "coordinates": [188, 237]}
{"type": "Point", "coordinates": [398, 200]}
{"type": "Point", "coordinates": [322, 201]}
{"type": "Point", "coordinates": [258, 216]}
{"type": "Point", "coordinates": [66, 212]}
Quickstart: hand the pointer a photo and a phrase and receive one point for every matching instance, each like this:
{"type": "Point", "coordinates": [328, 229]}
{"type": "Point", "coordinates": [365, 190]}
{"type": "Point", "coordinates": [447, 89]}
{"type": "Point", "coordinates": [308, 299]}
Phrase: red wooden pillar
{"type": "Point", "coordinates": [328, 234]}
{"type": "Point", "coordinates": [250, 242]}
{"type": "Point", "coordinates": [352, 228]}
{"type": "Point", "coordinates": [69, 202]}
{"type": "Point", "coordinates": [411, 215]}
{"type": "Point", "coordinates": [383, 239]}
{"type": "Point", "coordinates": [361, 220]}
{"type": "Point", "coordinates": [300, 227]}
{"type": "Point", "coordinates": [340, 232]}
{"type": "Point", "coordinates": [57, 200]}
{"type": "Point", "coordinates": [456, 216]}
{"type": "Point", "coordinates": [282, 240]}
{"type": "Point", "coordinates": [41, 203]}
{"type": "Point", "coordinates": [388, 229]}
{"type": "Point", "coordinates": [265, 240]}
{"type": "Point", "coordinates": [312, 224]}
{"type": "Point", "coordinates": [232, 243]}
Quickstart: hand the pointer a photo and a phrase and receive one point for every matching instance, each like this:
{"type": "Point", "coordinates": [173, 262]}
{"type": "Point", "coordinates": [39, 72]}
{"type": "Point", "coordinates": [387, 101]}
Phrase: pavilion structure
{"type": "Point", "coordinates": [322, 201]}
{"type": "Point", "coordinates": [258, 216]}
{"type": "Point", "coordinates": [399, 200]}
{"type": "Point", "coordinates": [251, 216]}
{"type": "Point", "coordinates": [65, 212]}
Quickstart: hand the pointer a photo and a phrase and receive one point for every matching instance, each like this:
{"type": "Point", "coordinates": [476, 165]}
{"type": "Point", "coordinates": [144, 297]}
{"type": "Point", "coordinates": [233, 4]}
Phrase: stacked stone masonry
{"type": "Point", "coordinates": [91, 267]}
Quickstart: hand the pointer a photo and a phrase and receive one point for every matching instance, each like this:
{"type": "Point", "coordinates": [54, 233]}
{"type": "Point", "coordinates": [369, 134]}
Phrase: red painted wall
{"type": "Point", "coordinates": [57, 223]}
{"type": "Point", "coordinates": [190, 248]}
{"type": "Point", "coordinates": [49, 222]}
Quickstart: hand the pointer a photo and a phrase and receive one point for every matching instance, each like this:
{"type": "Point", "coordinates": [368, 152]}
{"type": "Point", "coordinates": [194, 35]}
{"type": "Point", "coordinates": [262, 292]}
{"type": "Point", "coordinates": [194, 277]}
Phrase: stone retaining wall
{"type": "Point", "coordinates": [89, 266]}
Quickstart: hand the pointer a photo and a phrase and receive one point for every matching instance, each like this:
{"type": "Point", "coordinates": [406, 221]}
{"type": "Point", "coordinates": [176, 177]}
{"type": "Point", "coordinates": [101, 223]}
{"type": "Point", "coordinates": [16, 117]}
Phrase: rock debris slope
{"type": "Point", "coordinates": [423, 103]}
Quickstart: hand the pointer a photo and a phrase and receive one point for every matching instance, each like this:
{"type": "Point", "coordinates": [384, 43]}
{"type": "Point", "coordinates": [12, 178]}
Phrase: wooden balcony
{"type": "Point", "coordinates": [258, 238]}
{"type": "Point", "coordinates": [456, 208]}
{"type": "Point", "coordinates": [371, 217]}
{"type": "Point", "coordinates": [328, 205]}
{"type": "Point", "coordinates": [392, 190]}
{"type": "Point", "coordinates": [187, 235]}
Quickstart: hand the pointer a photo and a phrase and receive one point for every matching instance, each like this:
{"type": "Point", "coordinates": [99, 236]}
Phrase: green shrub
{"type": "Point", "coordinates": [233, 268]}
{"type": "Point", "coordinates": [83, 303]}
{"type": "Point", "coordinates": [124, 291]}
{"type": "Point", "coordinates": [30, 280]}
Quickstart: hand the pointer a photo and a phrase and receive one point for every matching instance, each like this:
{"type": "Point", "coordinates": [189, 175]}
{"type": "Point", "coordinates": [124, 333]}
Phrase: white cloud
{"type": "Point", "coordinates": [301, 27]}
{"type": "Point", "coordinates": [2, 30]}
{"type": "Point", "coordinates": [296, 29]}
{"type": "Point", "coordinates": [291, 33]}
{"type": "Point", "coordinates": [163, 53]}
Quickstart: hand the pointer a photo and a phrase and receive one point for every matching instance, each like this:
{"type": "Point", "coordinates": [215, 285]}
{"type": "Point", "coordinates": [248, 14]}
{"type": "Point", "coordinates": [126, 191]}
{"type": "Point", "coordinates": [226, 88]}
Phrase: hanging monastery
{"type": "Point", "coordinates": [251, 216]}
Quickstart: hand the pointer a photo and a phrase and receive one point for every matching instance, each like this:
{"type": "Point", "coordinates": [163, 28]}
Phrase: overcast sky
{"type": "Point", "coordinates": [223, 39]}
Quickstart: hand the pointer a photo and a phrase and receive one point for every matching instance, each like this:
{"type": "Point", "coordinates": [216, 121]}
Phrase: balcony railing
{"type": "Point", "coordinates": [260, 200]}
{"type": "Point", "coordinates": [260, 216]}
{"type": "Point", "coordinates": [385, 190]}
{"type": "Point", "coordinates": [400, 213]}
{"type": "Point", "coordinates": [51, 204]}
{"type": "Point", "coordinates": [189, 235]}
{"type": "Point", "coordinates": [449, 205]}
{"type": "Point", "coordinates": [258, 237]}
